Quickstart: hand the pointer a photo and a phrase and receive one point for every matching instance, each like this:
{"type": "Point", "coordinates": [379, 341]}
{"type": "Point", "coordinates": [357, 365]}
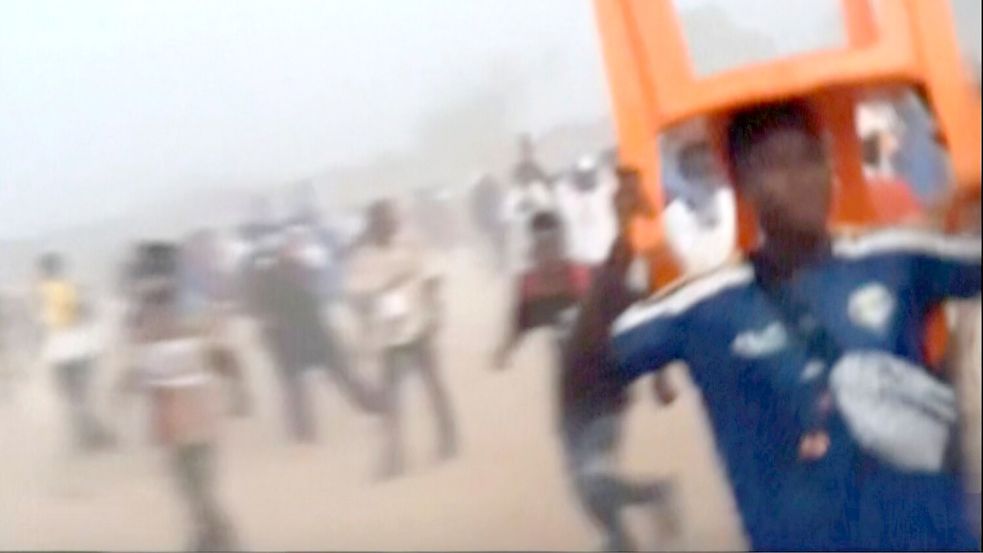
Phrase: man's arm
{"type": "Point", "coordinates": [600, 367]}
{"type": "Point", "coordinates": [944, 266]}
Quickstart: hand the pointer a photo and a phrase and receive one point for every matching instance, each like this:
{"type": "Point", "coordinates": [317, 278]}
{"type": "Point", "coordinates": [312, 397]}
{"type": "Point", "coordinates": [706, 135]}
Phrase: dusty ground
{"type": "Point", "coordinates": [506, 490]}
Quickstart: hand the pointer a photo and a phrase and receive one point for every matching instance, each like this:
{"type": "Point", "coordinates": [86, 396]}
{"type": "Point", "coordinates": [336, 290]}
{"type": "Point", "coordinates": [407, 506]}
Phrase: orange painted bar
{"type": "Point", "coordinates": [906, 42]}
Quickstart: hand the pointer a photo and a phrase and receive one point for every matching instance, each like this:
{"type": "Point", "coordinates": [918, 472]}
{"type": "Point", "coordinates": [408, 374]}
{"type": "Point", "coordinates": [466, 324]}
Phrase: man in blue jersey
{"type": "Point", "coordinates": [809, 358]}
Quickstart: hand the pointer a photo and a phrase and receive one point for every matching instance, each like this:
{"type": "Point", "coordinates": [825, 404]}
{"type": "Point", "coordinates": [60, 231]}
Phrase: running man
{"type": "Point", "coordinates": [487, 199]}
{"type": "Point", "coordinates": [169, 360]}
{"type": "Point", "coordinates": [288, 311]}
{"type": "Point", "coordinates": [551, 295]}
{"type": "Point", "coordinates": [71, 349]}
{"type": "Point", "coordinates": [809, 359]}
{"type": "Point", "coordinates": [206, 293]}
{"type": "Point", "coordinates": [392, 280]}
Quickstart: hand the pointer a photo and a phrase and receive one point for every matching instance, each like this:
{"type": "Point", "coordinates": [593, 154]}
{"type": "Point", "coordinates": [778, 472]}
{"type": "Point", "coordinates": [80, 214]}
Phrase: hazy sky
{"type": "Point", "coordinates": [104, 104]}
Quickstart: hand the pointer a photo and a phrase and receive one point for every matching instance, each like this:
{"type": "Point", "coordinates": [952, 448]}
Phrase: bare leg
{"type": "Point", "coordinates": [393, 360]}
{"type": "Point", "coordinates": [300, 421]}
{"type": "Point", "coordinates": [603, 494]}
{"type": "Point", "coordinates": [338, 365]}
{"type": "Point", "coordinates": [193, 466]}
{"type": "Point", "coordinates": [429, 368]}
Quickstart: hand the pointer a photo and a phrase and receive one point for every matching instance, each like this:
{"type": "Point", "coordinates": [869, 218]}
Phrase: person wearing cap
{"type": "Point", "coordinates": [699, 215]}
{"type": "Point", "coordinates": [531, 192]}
{"type": "Point", "coordinates": [392, 275]}
{"type": "Point", "coordinates": [487, 198]}
{"type": "Point", "coordinates": [168, 355]}
{"type": "Point", "coordinates": [585, 202]}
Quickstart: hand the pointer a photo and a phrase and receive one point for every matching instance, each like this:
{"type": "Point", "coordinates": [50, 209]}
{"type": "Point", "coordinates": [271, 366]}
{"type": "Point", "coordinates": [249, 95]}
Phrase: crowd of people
{"type": "Point", "coordinates": [780, 344]}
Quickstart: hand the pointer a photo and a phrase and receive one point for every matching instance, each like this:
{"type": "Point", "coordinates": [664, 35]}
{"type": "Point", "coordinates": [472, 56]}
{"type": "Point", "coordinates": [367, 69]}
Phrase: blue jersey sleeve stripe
{"type": "Point", "coordinates": [914, 241]}
{"type": "Point", "coordinates": [682, 299]}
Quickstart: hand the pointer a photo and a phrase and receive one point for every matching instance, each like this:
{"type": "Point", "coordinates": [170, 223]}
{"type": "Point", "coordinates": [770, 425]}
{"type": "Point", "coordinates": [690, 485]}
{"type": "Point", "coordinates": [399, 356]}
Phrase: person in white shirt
{"type": "Point", "coordinates": [586, 203]}
{"type": "Point", "coordinates": [522, 202]}
{"type": "Point", "coordinates": [390, 276]}
{"type": "Point", "coordinates": [700, 219]}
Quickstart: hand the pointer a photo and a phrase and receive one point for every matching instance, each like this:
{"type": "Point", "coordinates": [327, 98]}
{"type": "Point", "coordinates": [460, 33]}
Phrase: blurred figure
{"type": "Point", "coordinates": [894, 199]}
{"type": "Point", "coordinates": [324, 250]}
{"type": "Point", "coordinates": [391, 275]}
{"type": "Point", "coordinates": [527, 169]}
{"type": "Point", "coordinates": [809, 359]}
{"type": "Point", "coordinates": [591, 416]}
{"type": "Point", "coordinates": [169, 361]}
{"type": "Point", "coordinates": [435, 216]}
{"type": "Point", "coordinates": [288, 313]}
{"type": "Point", "coordinates": [919, 159]}
{"type": "Point", "coordinates": [585, 202]}
{"type": "Point", "coordinates": [260, 223]}
{"type": "Point", "coordinates": [700, 215]}
{"type": "Point", "coordinates": [531, 192]}
{"type": "Point", "coordinates": [71, 348]}
{"type": "Point", "coordinates": [487, 207]}
{"type": "Point", "coordinates": [548, 293]}
{"type": "Point", "coordinates": [206, 294]}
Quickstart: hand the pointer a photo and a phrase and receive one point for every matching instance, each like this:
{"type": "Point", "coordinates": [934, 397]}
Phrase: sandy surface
{"type": "Point", "coordinates": [506, 489]}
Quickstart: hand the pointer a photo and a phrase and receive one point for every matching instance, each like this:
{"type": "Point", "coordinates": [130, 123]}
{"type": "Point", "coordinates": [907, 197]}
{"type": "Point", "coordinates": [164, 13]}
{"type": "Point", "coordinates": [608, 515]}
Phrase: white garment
{"type": "Point", "coordinates": [521, 203]}
{"type": "Point", "coordinates": [76, 343]}
{"type": "Point", "coordinates": [589, 219]}
{"type": "Point", "coordinates": [174, 363]}
{"type": "Point", "coordinates": [699, 246]}
{"type": "Point", "coordinates": [392, 280]}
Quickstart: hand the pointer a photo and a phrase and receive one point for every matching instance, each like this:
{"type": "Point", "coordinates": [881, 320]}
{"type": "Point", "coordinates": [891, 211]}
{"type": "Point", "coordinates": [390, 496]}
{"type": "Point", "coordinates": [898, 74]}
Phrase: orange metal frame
{"type": "Point", "coordinates": [652, 86]}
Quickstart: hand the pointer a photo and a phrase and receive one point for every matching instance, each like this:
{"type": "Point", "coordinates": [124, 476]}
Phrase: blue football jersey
{"type": "Point", "coordinates": [760, 386]}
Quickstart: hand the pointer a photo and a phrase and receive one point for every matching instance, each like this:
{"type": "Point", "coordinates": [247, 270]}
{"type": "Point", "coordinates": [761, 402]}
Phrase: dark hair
{"type": "Point", "coordinates": [748, 126]}
{"type": "Point", "coordinates": [870, 147]}
{"type": "Point", "coordinates": [543, 221]}
{"type": "Point", "coordinates": [156, 260]}
{"type": "Point", "coordinates": [51, 264]}
{"type": "Point", "coordinates": [160, 262]}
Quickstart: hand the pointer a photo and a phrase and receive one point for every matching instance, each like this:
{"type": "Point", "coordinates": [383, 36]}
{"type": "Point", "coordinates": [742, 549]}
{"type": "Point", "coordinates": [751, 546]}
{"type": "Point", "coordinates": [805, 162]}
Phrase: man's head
{"type": "Point", "coordinates": [156, 272]}
{"type": "Point", "coordinates": [382, 222]}
{"type": "Point", "coordinates": [779, 164]}
{"type": "Point", "coordinates": [547, 238]}
{"type": "Point", "coordinates": [585, 174]}
{"type": "Point", "coordinates": [51, 265]}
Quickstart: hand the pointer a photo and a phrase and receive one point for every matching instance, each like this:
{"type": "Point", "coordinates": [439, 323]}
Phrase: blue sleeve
{"type": "Point", "coordinates": [646, 340]}
{"type": "Point", "coordinates": [948, 267]}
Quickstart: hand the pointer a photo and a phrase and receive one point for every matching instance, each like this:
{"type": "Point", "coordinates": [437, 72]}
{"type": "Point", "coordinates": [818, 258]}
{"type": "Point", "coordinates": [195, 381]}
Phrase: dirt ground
{"type": "Point", "coordinates": [506, 489]}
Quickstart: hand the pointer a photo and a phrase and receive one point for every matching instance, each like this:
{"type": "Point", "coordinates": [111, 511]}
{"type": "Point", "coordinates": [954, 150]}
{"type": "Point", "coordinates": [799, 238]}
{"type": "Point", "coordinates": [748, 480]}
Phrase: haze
{"type": "Point", "coordinates": [109, 105]}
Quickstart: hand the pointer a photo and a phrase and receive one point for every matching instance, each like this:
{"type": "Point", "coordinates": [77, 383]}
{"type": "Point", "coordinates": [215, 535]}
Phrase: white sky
{"type": "Point", "coordinates": [104, 103]}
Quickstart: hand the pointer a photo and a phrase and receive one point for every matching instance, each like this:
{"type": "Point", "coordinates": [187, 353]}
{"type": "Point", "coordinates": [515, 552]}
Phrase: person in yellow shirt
{"type": "Point", "coordinates": [70, 349]}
